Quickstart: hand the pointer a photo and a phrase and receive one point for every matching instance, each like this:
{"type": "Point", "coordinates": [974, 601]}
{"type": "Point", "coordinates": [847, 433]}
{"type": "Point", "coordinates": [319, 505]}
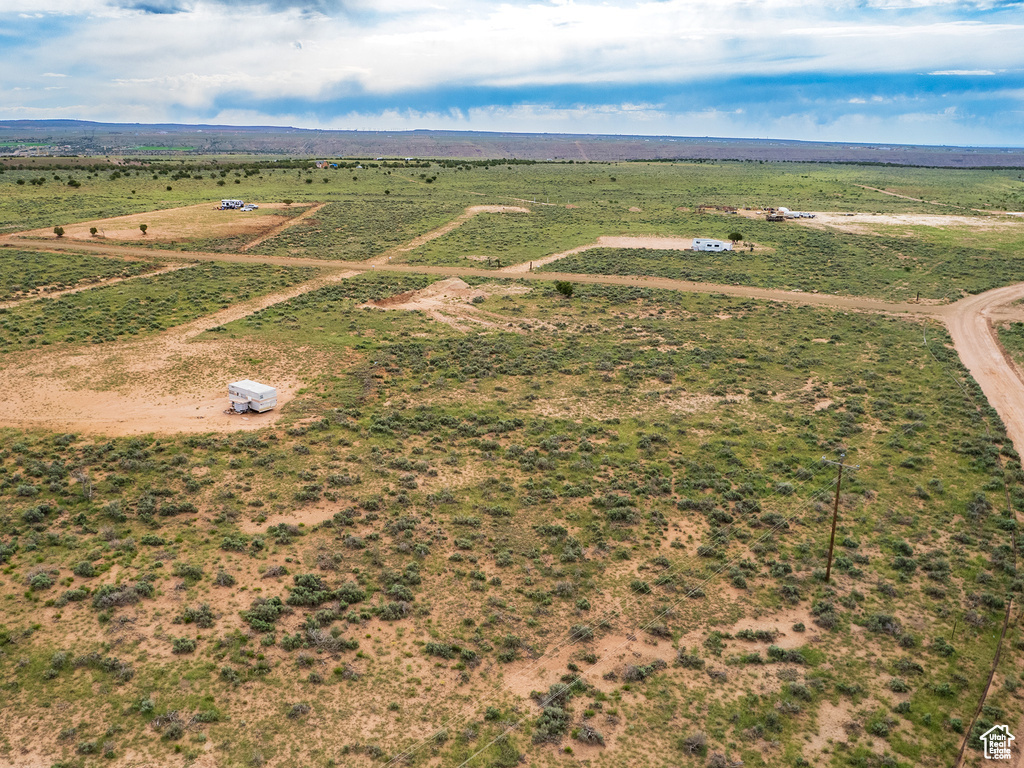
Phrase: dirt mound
{"type": "Point", "coordinates": [450, 301]}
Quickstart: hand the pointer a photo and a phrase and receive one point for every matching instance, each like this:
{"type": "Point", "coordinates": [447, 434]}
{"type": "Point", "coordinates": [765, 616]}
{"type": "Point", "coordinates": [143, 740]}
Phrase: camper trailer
{"type": "Point", "coordinates": [231, 204]}
{"type": "Point", "coordinates": [706, 244]}
{"type": "Point", "coordinates": [247, 395]}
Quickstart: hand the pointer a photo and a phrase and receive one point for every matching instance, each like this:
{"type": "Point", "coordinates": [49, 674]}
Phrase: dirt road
{"type": "Point", "coordinates": [168, 383]}
{"type": "Point", "coordinates": [648, 242]}
{"type": "Point", "coordinates": [969, 320]}
{"type": "Point", "coordinates": [416, 242]}
{"type": "Point", "coordinates": [971, 323]}
{"type": "Point", "coordinates": [283, 226]}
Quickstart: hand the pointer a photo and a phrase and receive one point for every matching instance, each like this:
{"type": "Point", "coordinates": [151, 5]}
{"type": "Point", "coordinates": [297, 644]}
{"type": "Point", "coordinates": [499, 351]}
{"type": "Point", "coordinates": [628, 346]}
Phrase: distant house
{"type": "Point", "coordinates": [706, 244]}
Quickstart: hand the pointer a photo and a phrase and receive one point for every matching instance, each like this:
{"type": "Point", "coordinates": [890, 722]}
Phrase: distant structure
{"type": "Point", "coordinates": [247, 395]}
{"type": "Point", "coordinates": [226, 205]}
{"type": "Point", "coordinates": [788, 214]}
{"type": "Point", "coordinates": [707, 244]}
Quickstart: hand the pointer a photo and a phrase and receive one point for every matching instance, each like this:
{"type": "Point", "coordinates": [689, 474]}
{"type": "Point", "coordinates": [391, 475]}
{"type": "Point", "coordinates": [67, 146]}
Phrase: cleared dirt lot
{"type": "Point", "coordinates": [192, 222]}
{"type": "Point", "coordinates": [652, 242]}
{"type": "Point", "coordinates": [862, 223]}
{"type": "Point", "coordinates": [166, 383]}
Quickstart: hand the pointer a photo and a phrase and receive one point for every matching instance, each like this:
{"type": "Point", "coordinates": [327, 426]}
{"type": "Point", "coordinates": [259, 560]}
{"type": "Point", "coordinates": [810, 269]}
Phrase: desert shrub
{"type": "Point", "coordinates": [689, 660]}
{"type": "Point", "coordinates": [884, 624]}
{"type": "Point", "coordinates": [263, 613]}
{"type": "Point", "coordinates": [394, 610]}
{"type": "Point", "coordinates": [187, 571]}
{"type": "Point", "coordinates": [201, 615]}
{"type": "Point", "coordinates": [111, 596]}
{"type": "Point", "coordinates": [589, 735]}
{"type": "Point", "coordinates": [183, 645]}
{"type": "Point", "coordinates": [640, 587]}
{"type": "Point", "coordinates": [233, 544]}
{"type": "Point", "coordinates": [551, 725]}
{"type": "Point", "coordinates": [443, 650]}
{"type": "Point", "coordinates": [39, 581]}
{"type": "Point", "coordinates": [638, 673]}
{"type": "Point", "coordinates": [72, 596]}
{"type": "Point", "coordinates": [695, 744]}
{"type": "Point", "coordinates": [309, 589]}
{"type": "Point", "coordinates": [581, 633]}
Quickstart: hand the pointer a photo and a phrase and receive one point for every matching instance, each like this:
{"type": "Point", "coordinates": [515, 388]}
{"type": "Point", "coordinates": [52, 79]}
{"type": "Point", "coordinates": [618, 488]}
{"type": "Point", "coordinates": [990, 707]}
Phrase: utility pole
{"type": "Point", "coordinates": [835, 509]}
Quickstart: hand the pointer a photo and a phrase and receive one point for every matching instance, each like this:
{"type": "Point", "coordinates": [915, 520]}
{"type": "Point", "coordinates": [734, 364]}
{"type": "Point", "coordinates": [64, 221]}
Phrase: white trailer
{"type": "Point", "coordinates": [707, 244]}
{"type": "Point", "coordinates": [230, 204]}
{"type": "Point", "coordinates": [247, 395]}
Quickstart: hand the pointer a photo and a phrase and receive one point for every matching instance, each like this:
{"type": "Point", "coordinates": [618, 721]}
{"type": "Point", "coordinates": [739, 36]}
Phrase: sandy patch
{"type": "Point", "coordinates": [191, 222]}
{"type": "Point", "coordinates": [831, 721]}
{"type": "Point", "coordinates": [450, 302]}
{"type": "Point", "coordinates": [651, 242]}
{"type": "Point", "coordinates": [863, 223]}
{"type": "Point", "coordinates": [634, 209]}
{"type": "Point", "coordinates": [614, 652]}
{"type": "Point", "coordinates": [162, 384]}
{"type": "Point", "coordinates": [470, 212]}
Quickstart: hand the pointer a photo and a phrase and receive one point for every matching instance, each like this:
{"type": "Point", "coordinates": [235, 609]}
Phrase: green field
{"type": "Point", "coordinates": [145, 305]}
{"type": "Point", "coordinates": [27, 272]}
{"type": "Point", "coordinates": [359, 228]}
{"type": "Point", "coordinates": [513, 521]}
{"type": "Point", "coordinates": [896, 269]}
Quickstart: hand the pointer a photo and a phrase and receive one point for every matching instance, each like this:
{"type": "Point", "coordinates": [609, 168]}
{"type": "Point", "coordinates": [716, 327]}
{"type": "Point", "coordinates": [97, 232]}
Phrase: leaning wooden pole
{"type": "Point", "coordinates": [835, 512]}
{"type": "Point", "coordinates": [835, 517]}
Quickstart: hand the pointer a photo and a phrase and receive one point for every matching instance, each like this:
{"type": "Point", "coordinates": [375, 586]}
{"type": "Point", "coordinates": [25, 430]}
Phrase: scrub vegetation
{"type": "Point", "coordinates": [594, 526]}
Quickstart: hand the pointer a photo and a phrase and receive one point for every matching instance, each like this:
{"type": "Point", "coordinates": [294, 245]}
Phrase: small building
{"type": "Point", "coordinates": [229, 204]}
{"type": "Point", "coordinates": [707, 244]}
{"type": "Point", "coordinates": [248, 395]}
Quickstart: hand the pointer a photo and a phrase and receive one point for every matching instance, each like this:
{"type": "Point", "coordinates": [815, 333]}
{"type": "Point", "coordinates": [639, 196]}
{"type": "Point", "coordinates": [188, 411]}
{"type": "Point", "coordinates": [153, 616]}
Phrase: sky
{"type": "Point", "coordinates": [877, 71]}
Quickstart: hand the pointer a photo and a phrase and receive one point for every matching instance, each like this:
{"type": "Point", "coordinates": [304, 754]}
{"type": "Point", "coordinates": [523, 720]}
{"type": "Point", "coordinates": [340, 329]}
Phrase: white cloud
{"type": "Point", "coordinates": [150, 66]}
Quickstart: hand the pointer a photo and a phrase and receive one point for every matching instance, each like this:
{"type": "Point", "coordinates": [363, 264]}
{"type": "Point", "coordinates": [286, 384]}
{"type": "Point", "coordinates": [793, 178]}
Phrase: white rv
{"type": "Point", "coordinates": [706, 244]}
{"type": "Point", "coordinates": [247, 395]}
{"type": "Point", "coordinates": [230, 204]}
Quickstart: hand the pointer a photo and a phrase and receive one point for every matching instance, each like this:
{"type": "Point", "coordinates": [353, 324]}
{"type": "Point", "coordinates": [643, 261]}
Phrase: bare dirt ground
{"type": "Point", "coordinates": [649, 242]}
{"type": "Point", "coordinates": [44, 294]}
{"type": "Point", "coordinates": [163, 384]}
{"type": "Point", "coordinates": [450, 302]}
{"type": "Point", "coordinates": [203, 220]}
{"type": "Point", "coordinates": [862, 223]}
{"type": "Point", "coordinates": [455, 223]}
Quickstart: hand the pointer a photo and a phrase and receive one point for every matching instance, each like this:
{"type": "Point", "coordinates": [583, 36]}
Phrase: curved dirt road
{"type": "Point", "coordinates": [971, 324]}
